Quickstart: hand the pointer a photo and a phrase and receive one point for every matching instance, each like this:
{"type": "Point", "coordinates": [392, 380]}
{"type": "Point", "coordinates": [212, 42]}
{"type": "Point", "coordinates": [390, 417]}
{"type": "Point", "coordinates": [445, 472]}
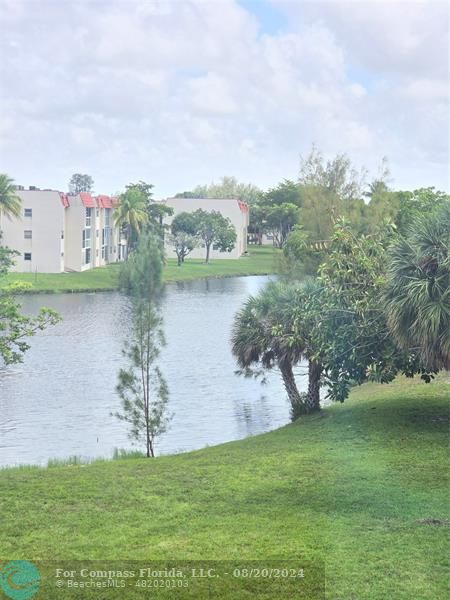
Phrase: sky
{"type": "Point", "coordinates": [182, 92]}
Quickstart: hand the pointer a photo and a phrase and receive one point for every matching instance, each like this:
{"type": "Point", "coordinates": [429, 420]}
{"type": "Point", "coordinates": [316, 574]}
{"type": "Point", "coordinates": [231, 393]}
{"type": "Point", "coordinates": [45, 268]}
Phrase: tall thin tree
{"type": "Point", "coordinates": [141, 385]}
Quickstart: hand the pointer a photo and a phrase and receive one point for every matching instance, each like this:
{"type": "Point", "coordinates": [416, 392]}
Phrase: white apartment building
{"type": "Point", "coordinates": [58, 232]}
{"type": "Point", "coordinates": [233, 208]}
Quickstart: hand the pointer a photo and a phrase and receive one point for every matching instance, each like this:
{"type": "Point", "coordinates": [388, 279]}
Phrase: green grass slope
{"type": "Point", "coordinates": [354, 487]}
{"type": "Point", "coordinates": [260, 261]}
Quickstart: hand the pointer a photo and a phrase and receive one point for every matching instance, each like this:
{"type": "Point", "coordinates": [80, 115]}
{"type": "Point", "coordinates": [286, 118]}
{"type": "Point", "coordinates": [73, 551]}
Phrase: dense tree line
{"type": "Point", "coordinates": [365, 293]}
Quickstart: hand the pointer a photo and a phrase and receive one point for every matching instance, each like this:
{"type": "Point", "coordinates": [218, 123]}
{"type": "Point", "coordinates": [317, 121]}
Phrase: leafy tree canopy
{"type": "Point", "coordinates": [351, 333]}
{"type": "Point", "coordinates": [337, 175]}
{"type": "Point", "coordinates": [184, 222]}
{"type": "Point", "coordinates": [183, 244]}
{"type": "Point", "coordinates": [80, 182]}
{"type": "Point", "coordinates": [303, 255]}
{"type": "Point", "coordinates": [211, 229]}
{"type": "Point", "coordinates": [285, 192]}
{"type": "Point", "coordinates": [228, 187]}
{"type": "Point", "coordinates": [280, 219]}
{"type": "Point", "coordinates": [183, 236]}
{"type": "Point", "coordinates": [215, 230]}
{"type": "Point", "coordinates": [141, 276]}
{"type": "Point", "coordinates": [340, 323]}
{"type": "Point", "coordinates": [156, 211]}
{"type": "Point", "coordinates": [402, 207]}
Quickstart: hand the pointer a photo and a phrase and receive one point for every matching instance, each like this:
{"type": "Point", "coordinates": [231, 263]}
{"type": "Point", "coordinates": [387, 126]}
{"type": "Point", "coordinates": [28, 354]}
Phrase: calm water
{"type": "Point", "coordinates": [58, 402]}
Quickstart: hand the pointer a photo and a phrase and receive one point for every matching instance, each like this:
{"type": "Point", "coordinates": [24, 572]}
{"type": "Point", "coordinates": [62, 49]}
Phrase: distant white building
{"type": "Point", "coordinates": [58, 232]}
{"type": "Point", "coordinates": [233, 208]}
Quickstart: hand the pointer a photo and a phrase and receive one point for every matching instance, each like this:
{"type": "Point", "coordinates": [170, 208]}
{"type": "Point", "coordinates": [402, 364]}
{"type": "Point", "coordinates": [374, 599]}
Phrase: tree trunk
{"type": "Point", "coordinates": [295, 399]}
{"type": "Point", "coordinates": [313, 398]}
{"type": "Point", "coordinates": [130, 240]}
{"type": "Point", "coordinates": [208, 247]}
{"type": "Point", "coordinates": [150, 451]}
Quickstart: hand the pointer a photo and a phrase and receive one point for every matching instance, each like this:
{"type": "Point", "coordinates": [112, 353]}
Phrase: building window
{"type": "Point", "coordinates": [28, 212]}
{"type": "Point", "coordinates": [97, 213]}
{"type": "Point", "coordinates": [107, 217]}
{"type": "Point", "coordinates": [86, 239]}
{"type": "Point", "coordinates": [27, 256]}
{"type": "Point", "coordinates": [62, 235]}
{"type": "Point", "coordinates": [87, 258]}
{"type": "Point", "coordinates": [88, 217]}
{"type": "Point", "coordinates": [28, 234]}
{"type": "Point", "coordinates": [97, 233]}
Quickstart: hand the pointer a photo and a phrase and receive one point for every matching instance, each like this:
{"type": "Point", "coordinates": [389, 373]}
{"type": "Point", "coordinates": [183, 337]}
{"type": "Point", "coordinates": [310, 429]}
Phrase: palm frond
{"type": "Point", "coordinates": [417, 297]}
{"type": "Point", "coordinates": [10, 203]}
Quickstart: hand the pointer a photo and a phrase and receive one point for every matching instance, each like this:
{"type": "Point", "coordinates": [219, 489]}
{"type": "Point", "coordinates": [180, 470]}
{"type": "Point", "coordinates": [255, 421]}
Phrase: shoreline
{"type": "Point", "coordinates": [90, 290]}
{"type": "Point", "coordinates": [261, 261]}
{"type": "Point", "coordinates": [365, 481]}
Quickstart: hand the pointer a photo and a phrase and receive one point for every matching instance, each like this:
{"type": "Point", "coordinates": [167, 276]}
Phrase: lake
{"type": "Point", "coordinates": [57, 403]}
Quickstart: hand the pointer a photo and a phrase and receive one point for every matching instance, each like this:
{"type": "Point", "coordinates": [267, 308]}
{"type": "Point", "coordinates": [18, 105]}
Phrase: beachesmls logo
{"type": "Point", "coordinates": [19, 580]}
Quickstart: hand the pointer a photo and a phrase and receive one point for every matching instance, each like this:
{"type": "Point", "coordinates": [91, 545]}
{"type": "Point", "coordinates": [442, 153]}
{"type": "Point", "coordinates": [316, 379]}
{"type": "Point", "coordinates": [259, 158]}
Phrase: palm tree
{"type": "Point", "coordinates": [418, 289]}
{"type": "Point", "coordinates": [131, 214]}
{"type": "Point", "coordinates": [10, 203]}
{"type": "Point", "coordinates": [267, 331]}
{"type": "Point", "coordinates": [299, 314]}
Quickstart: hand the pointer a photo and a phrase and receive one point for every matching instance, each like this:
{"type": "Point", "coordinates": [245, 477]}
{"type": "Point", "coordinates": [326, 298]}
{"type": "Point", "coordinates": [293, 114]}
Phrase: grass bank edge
{"type": "Point", "coordinates": [260, 261]}
{"type": "Point", "coordinates": [368, 393]}
{"type": "Point", "coordinates": [362, 487]}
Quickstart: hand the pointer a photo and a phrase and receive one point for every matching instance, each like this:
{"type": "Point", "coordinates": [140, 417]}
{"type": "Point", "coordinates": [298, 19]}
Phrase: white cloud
{"type": "Point", "coordinates": [82, 136]}
{"type": "Point", "coordinates": [181, 93]}
{"type": "Point", "coordinates": [358, 90]}
{"type": "Point", "coordinates": [408, 37]}
{"type": "Point", "coordinates": [211, 94]}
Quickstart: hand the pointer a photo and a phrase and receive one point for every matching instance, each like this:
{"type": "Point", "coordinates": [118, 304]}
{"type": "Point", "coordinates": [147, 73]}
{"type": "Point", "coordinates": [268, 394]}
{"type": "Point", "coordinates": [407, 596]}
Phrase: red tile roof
{"type": "Point", "coordinates": [104, 201]}
{"type": "Point", "coordinates": [87, 199]}
{"type": "Point", "coordinates": [243, 206]}
{"type": "Point", "coordinates": [64, 199]}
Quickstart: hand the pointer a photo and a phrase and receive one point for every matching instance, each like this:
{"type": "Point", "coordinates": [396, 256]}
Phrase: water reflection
{"type": "Point", "coordinates": [58, 402]}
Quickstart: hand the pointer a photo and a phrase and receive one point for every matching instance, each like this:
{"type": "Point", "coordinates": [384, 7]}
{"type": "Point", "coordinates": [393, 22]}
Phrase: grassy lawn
{"type": "Point", "coordinates": [352, 487]}
{"type": "Point", "coordinates": [260, 261]}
